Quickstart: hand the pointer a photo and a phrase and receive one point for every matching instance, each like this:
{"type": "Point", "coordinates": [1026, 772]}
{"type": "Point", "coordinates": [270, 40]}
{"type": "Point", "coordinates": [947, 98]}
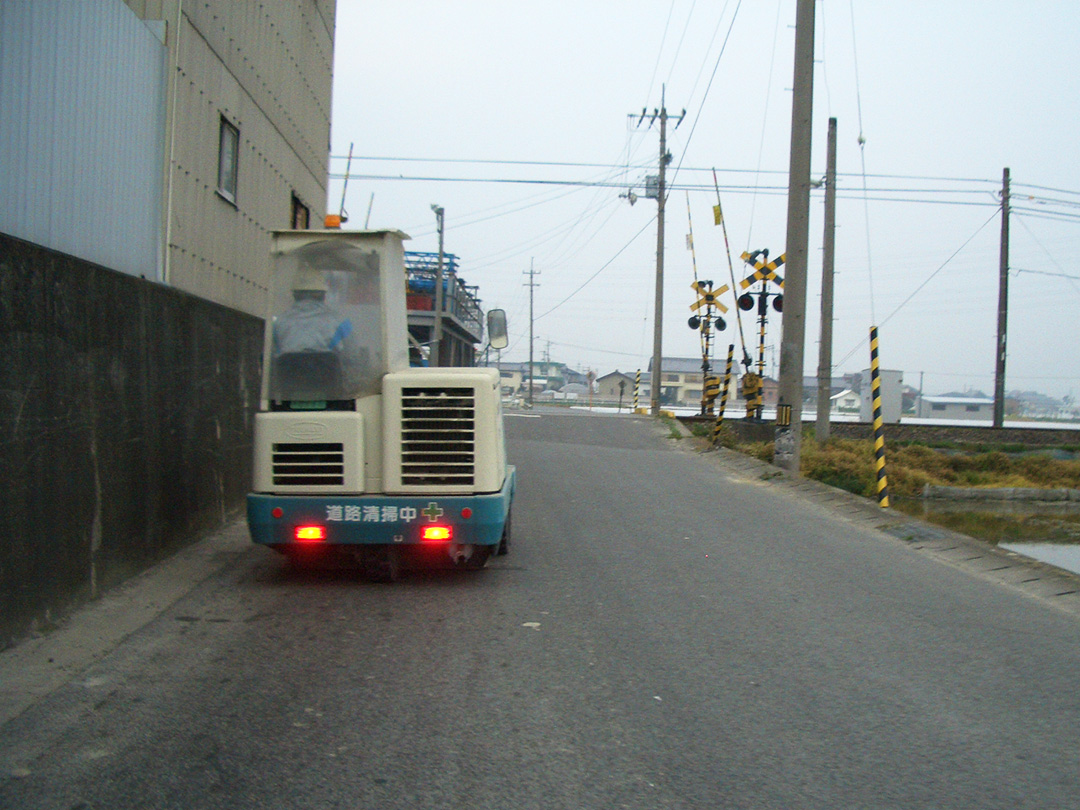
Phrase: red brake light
{"type": "Point", "coordinates": [310, 534]}
{"type": "Point", "coordinates": [432, 534]}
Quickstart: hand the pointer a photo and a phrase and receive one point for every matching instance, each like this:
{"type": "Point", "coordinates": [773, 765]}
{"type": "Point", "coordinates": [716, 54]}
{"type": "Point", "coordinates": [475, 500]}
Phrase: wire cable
{"type": "Point", "coordinates": [682, 38]}
{"type": "Point", "coordinates": [660, 52]}
{"type": "Point", "coordinates": [862, 158]}
{"type": "Point", "coordinates": [708, 87]}
{"type": "Point", "coordinates": [921, 286]}
{"type": "Point", "coordinates": [601, 270]}
{"type": "Point", "coordinates": [764, 125]}
{"type": "Point", "coordinates": [1049, 255]}
{"type": "Point", "coordinates": [712, 41]}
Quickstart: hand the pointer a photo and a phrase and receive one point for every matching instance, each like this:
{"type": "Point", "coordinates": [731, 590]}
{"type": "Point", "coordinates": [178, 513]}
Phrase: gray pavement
{"type": "Point", "coordinates": [671, 629]}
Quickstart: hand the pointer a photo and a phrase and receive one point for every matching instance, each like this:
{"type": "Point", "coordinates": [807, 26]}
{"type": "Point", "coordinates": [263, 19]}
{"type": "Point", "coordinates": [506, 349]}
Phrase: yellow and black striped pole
{"type": "Point", "coordinates": [751, 386]}
{"type": "Point", "coordinates": [723, 394]}
{"type": "Point", "coordinates": [712, 391]}
{"type": "Point", "coordinates": [763, 318]}
{"type": "Point", "coordinates": [637, 388]}
{"type": "Point", "coordinates": [879, 434]}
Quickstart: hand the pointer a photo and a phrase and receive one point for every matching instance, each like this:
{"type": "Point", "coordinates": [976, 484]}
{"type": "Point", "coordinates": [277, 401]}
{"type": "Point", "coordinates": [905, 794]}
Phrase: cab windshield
{"type": "Point", "coordinates": [325, 344]}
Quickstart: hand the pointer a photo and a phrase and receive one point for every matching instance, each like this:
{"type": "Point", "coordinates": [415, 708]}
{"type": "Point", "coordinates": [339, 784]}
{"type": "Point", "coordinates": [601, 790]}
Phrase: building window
{"type": "Point", "coordinates": [301, 216]}
{"type": "Point", "coordinates": [228, 160]}
{"type": "Point", "coordinates": [971, 408]}
{"type": "Point", "coordinates": [937, 406]}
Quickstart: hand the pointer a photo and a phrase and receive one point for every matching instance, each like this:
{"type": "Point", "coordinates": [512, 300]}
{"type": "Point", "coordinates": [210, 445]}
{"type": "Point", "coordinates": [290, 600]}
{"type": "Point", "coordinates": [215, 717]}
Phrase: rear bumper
{"type": "Point", "coordinates": [380, 519]}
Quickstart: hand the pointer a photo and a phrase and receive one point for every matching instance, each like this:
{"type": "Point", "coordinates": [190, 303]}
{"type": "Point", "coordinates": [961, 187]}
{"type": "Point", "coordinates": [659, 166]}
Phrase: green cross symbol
{"type": "Point", "coordinates": [433, 512]}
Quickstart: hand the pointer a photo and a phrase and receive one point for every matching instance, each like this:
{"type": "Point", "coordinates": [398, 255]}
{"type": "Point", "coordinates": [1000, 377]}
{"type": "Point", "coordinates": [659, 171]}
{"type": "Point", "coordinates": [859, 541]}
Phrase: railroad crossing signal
{"type": "Point", "coordinates": [709, 297]}
{"type": "Point", "coordinates": [702, 320]}
{"type": "Point", "coordinates": [764, 270]}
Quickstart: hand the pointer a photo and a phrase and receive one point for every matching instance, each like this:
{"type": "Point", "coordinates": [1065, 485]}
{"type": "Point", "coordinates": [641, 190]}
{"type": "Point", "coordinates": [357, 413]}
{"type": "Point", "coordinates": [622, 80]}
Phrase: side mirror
{"type": "Point", "coordinates": [496, 327]}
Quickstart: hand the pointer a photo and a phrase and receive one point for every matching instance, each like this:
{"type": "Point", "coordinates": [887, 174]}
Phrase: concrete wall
{"type": "Point", "coordinates": [126, 413]}
{"type": "Point", "coordinates": [891, 393]}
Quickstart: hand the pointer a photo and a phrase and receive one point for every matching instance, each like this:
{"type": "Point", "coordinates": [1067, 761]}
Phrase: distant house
{"type": "Point", "coordinates": [617, 387]}
{"type": "Point", "coordinates": [680, 381]}
{"type": "Point", "coordinates": [810, 388]}
{"type": "Point", "coordinates": [957, 406]}
{"type": "Point", "coordinates": [575, 390]}
{"type": "Point", "coordinates": [546, 375]}
{"type": "Point", "coordinates": [847, 401]}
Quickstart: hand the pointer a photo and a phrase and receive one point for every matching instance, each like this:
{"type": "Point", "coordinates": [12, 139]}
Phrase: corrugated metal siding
{"type": "Point", "coordinates": [82, 89]}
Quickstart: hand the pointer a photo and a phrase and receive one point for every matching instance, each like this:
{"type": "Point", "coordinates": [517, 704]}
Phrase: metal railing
{"type": "Point", "coordinates": [459, 298]}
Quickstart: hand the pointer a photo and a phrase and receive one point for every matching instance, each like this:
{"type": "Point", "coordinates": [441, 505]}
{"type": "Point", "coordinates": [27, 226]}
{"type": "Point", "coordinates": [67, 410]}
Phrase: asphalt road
{"type": "Point", "coordinates": [668, 631]}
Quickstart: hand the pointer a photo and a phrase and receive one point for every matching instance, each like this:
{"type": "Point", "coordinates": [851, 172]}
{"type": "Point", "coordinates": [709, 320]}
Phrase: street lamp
{"type": "Point", "coordinates": [436, 338]}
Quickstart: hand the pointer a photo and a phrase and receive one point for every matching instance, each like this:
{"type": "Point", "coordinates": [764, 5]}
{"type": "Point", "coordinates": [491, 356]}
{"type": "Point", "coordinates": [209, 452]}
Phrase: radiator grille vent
{"type": "Point", "coordinates": [438, 430]}
{"type": "Point", "coordinates": [309, 464]}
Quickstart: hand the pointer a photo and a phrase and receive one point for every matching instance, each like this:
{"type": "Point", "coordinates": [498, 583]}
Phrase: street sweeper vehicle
{"type": "Point", "coordinates": [356, 452]}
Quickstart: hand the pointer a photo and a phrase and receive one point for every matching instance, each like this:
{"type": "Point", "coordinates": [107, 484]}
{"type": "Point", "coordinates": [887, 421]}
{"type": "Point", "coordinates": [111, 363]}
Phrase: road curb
{"type": "Point", "coordinates": [37, 666]}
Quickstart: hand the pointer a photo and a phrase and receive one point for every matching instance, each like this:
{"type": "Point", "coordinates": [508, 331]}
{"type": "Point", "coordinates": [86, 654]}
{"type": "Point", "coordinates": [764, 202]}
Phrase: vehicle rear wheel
{"type": "Point", "coordinates": [479, 558]}
{"type": "Point", "coordinates": [504, 542]}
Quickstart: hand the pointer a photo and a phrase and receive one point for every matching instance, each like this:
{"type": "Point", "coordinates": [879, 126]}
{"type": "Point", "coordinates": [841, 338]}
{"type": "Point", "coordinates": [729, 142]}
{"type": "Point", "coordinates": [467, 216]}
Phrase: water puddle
{"type": "Point", "coordinates": [1060, 554]}
{"type": "Point", "coordinates": [1000, 521]}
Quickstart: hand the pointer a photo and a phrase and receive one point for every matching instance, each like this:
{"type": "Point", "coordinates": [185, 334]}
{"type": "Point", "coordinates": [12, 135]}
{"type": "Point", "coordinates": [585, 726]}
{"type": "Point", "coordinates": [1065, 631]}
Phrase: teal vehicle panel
{"type": "Point", "coordinates": [380, 519]}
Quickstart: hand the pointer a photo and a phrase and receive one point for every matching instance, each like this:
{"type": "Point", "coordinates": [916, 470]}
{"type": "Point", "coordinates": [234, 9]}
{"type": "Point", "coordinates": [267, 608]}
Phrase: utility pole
{"type": "Point", "coordinates": [658, 304]}
{"type": "Point", "coordinates": [436, 336]}
{"type": "Point", "coordinates": [828, 253]}
{"type": "Point", "coordinates": [788, 441]}
{"type": "Point", "coordinates": [661, 201]}
{"type": "Point", "coordinates": [1003, 305]}
{"type": "Point", "coordinates": [531, 285]}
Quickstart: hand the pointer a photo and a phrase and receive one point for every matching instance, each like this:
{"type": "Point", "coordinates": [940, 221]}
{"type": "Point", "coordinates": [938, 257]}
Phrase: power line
{"type": "Point", "coordinates": [660, 52]}
{"type": "Point", "coordinates": [862, 159]}
{"type": "Point", "coordinates": [1038, 241]}
{"type": "Point", "coordinates": [712, 40]}
{"type": "Point", "coordinates": [483, 162]}
{"type": "Point", "coordinates": [602, 268]}
{"type": "Point", "coordinates": [686, 186]}
{"type": "Point", "coordinates": [927, 281]}
{"type": "Point", "coordinates": [678, 48]}
{"type": "Point", "coordinates": [1057, 216]}
{"type": "Point", "coordinates": [1047, 273]}
{"type": "Point", "coordinates": [693, 127]}
{"type": "Point", "coordinates": [1046, 188]}
{"type": "Point", "coordinates": [607, 182]}
{"type": "Point", "coordinates": [764, 123]}
{"type": "Point", "coordinates": [994, 183]}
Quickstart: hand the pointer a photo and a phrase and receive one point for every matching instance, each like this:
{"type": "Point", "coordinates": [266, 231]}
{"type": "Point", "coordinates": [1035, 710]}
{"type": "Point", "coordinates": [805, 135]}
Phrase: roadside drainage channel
{"type": "Point", "coordinates": [1056, 586]}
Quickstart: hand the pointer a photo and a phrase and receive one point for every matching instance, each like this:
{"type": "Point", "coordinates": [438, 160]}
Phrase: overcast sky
{"type": "Point", "coordinates": [455, 103]}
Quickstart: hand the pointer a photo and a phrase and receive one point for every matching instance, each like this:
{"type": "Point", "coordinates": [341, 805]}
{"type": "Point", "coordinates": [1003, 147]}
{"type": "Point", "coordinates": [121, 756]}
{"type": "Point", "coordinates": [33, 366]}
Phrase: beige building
{"type": "Point", "coordinates": [681, 383]}
{"type": "Point", "coordinates": [246, 140]}
{"type": "Point", "coordinates": [617, 387]}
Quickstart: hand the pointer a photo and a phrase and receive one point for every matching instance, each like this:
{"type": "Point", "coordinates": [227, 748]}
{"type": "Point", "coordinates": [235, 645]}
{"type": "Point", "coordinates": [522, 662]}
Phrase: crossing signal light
{"type": "Point", "coordinates": [694, 322]}
{"type": "Point", "coordinates": [721, 324]}
{"type": "Point", "coordinates": [746, 302]}
{"type": "Point", "coordinates": [778, 303]}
